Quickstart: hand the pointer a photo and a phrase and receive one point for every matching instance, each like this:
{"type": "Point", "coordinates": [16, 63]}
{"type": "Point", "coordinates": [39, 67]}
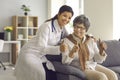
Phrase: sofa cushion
{"type": "Point", "coordinates": [68, 70]}
{"type": "Point", "coordinates": [115, 68]}
{"type": "Point", "coordinates": [113, 52]}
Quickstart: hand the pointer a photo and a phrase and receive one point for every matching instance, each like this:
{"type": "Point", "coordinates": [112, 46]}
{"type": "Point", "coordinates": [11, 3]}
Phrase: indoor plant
{"type": "Point", "coordinates": [8, 30]}
{"type": "Point", "coordinates": [26, 9]}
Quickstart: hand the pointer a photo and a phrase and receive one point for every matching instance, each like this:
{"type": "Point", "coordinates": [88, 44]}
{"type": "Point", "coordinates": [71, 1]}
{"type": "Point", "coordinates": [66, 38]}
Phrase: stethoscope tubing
{"type": "Point", "coordinates": [53, 28]}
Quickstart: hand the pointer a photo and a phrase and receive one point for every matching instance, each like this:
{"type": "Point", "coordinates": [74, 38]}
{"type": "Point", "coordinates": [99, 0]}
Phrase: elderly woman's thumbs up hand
{"type": "Point", "coordinates": [74, 50]}
{"type": "Point", "coordinates": [102, 46]}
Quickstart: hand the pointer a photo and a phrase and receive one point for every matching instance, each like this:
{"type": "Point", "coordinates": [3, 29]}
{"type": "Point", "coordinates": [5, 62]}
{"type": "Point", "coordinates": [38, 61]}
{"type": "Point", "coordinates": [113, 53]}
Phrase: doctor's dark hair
{"type": "Point", "coordinates": [61, 10]}
{"type": "Point", "coordinates": [82, 19]}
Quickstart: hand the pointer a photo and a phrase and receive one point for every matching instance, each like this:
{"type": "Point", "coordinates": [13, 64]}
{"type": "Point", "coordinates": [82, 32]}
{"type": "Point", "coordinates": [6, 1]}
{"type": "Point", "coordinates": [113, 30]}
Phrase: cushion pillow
{"type": "Point", "coordinates": [113, 53]}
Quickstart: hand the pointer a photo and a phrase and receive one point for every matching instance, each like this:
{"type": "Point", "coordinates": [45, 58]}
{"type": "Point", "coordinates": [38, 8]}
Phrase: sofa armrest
{"type": "Point", "coordinates": [68, 70]}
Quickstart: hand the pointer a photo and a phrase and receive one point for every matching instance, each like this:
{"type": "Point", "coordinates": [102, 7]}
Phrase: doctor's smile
{"type": "Point", "coordinates": [64, 18]}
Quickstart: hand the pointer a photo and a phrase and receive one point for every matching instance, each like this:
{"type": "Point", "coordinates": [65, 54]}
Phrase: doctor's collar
{"type": "Point", "coordinates": [55, 25]}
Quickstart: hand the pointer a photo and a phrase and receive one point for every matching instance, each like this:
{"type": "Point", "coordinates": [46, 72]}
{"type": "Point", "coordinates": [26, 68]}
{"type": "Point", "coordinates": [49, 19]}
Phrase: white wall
{"type": "Point", "coordinates": [100, 13]}
{"type": "Point", "coordinates": [10, 8]}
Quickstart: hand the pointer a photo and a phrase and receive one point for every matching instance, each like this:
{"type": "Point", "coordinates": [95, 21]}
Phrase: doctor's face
{"type": "Point", "coordinates": [64, 18]}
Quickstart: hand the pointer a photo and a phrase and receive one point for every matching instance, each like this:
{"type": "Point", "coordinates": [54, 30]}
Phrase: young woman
{"type": "Point", "coordinates": [32, 55]}
{"type": "Point", "coordinates": [81, 51]}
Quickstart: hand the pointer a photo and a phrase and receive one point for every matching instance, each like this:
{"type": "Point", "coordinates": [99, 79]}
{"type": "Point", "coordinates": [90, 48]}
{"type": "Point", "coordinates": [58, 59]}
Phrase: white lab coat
{"type": "Point", "coordinates": [29, 64]}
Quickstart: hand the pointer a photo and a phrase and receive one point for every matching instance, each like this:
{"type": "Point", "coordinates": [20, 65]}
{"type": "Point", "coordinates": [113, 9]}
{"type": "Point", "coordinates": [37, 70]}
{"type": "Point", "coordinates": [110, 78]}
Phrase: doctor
{"type": "Point", "coordinates": [32, 55]}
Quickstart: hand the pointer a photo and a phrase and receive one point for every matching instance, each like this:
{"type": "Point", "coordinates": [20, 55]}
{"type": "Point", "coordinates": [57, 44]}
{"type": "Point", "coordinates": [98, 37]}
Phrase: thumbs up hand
{"type": "Point", "coordinates": [74, 50]}
{"type": "Point", "coordinates": [63, 47]}
{"type": "Point", "coordinates": [102, 46]}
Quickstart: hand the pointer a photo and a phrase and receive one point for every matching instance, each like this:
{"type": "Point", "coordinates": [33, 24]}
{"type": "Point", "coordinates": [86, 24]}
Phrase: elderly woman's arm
{"type": "Point", "coordinates": [100, 54]}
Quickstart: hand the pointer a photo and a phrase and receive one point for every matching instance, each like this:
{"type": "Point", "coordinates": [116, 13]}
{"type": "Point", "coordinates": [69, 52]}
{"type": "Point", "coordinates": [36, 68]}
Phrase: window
{"type": "Point", "coordinates": [116, 19]}
{"type": "Point", "coordinates": [77, 6]}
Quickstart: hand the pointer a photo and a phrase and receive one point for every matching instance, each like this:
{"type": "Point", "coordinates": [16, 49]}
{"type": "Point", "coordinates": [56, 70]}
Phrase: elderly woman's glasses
{"type": "Point", "coordinates": [80, 27]}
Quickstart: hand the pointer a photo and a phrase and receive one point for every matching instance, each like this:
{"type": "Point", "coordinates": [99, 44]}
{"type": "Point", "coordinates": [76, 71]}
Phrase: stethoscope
{"type": "Point", "coordinates": [53, 29]}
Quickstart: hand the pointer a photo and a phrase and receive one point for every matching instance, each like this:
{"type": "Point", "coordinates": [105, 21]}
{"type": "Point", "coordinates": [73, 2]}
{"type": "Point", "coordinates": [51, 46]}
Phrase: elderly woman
{"type": "Point", "coordinates": [81, 51]}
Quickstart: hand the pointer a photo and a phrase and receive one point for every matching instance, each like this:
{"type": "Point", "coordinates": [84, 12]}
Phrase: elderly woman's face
{"type": "Point", "coordinates": [79, 30]}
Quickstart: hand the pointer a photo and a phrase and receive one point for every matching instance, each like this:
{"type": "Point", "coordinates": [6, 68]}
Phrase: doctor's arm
{"type": "Point", "coordinates": [68, 55]}
{"type": "Point", "coordinates": [43, 35]}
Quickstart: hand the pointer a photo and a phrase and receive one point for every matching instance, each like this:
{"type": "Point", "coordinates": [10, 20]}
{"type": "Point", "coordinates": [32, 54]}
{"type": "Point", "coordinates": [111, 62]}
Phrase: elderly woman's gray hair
{"type": "Point", "coordinates": [82, 19]}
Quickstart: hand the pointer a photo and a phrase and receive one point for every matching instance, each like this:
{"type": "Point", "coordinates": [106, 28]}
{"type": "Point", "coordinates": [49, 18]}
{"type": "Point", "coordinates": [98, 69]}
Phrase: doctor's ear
{"type": "Point", "coordinates": [58, 15]}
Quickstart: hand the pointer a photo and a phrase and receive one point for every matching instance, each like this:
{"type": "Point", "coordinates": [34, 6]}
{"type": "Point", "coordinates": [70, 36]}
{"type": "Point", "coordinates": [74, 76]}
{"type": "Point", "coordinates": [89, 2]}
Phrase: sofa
{"type": "Point", "coordinates": [113, 59]}
{"type": "Point", "coordinates": [66, 72]}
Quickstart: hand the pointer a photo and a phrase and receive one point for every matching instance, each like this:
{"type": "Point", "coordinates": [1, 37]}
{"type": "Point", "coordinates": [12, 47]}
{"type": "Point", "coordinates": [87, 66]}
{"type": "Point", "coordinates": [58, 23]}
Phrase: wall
{"type": "Point", "coordinates": [116, 19]}
{"type": "Point", "coordinates": [100, 13]}
{"type": "Point", "coordinates": [10, 8]}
